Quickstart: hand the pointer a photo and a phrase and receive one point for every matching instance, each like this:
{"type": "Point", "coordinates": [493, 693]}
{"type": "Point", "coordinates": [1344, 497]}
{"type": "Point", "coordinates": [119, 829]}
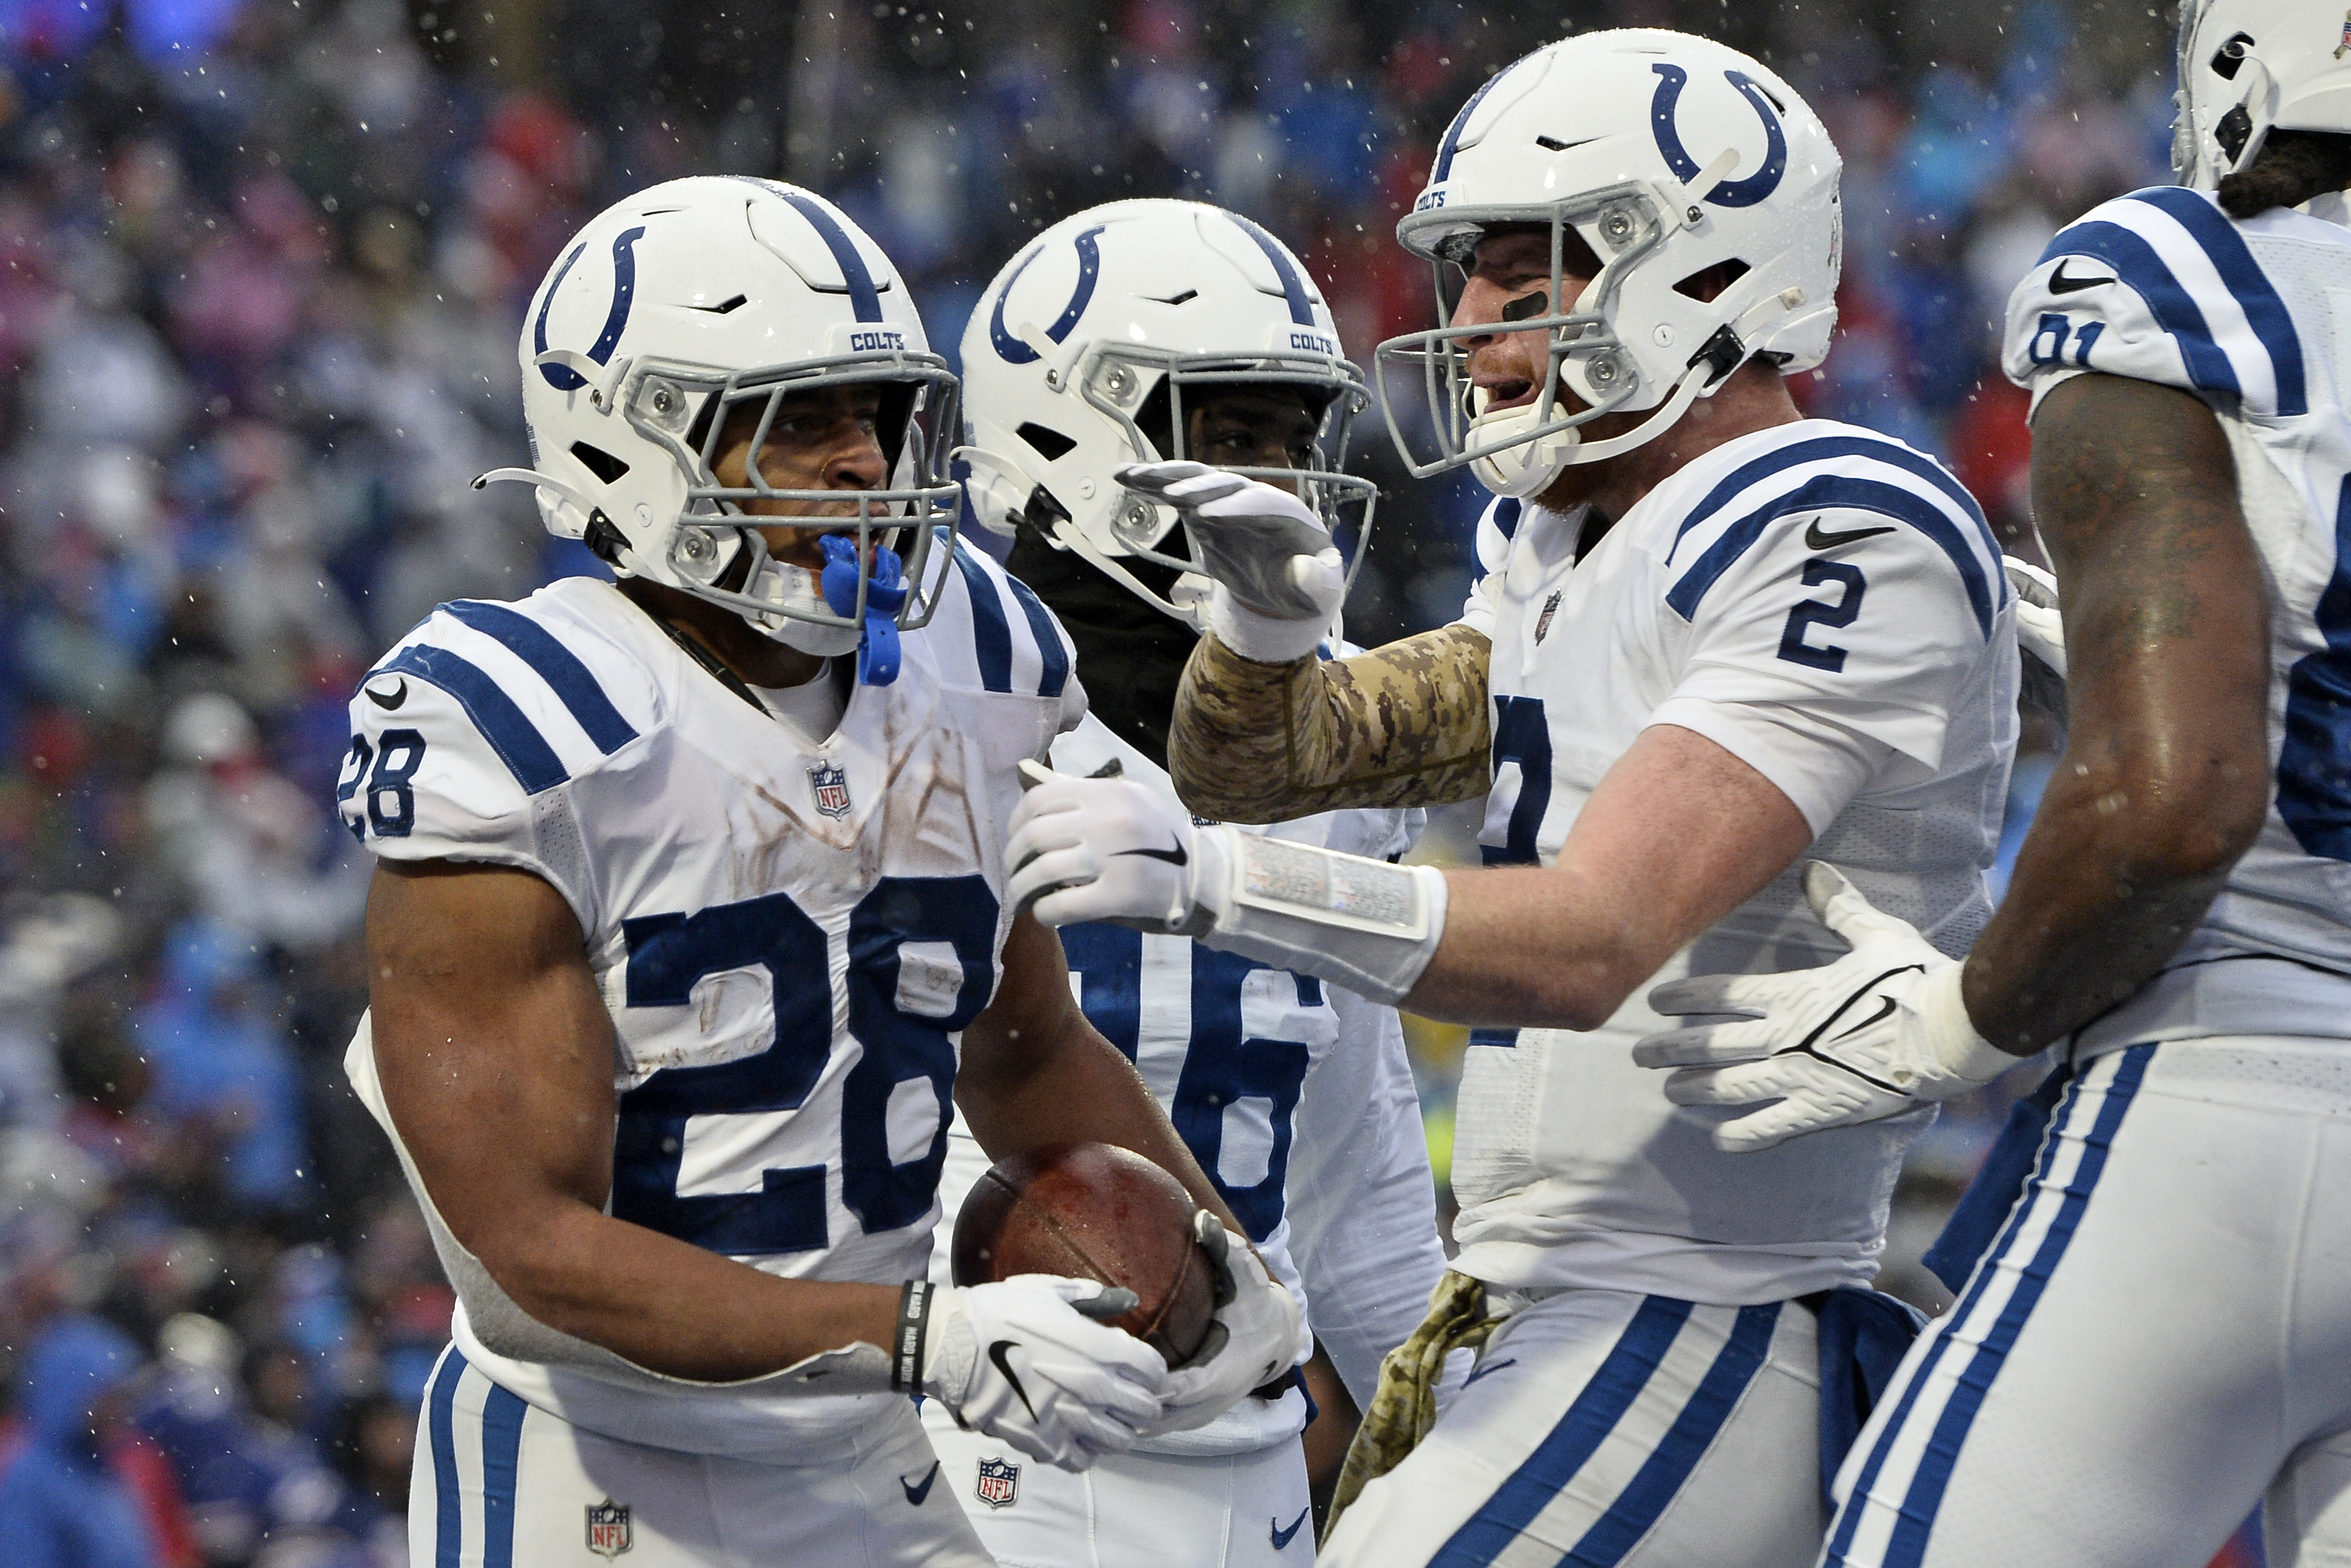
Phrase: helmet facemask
{"type": "Point", "coordinates": [1519, 451]}
{"type": "Point", "coordinates": [716, 551]}
{"type": "Point", "coordinates": [1138, 388]}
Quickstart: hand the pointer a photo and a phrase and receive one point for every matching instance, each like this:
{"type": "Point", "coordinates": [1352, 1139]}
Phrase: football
{"type": "Point", "coordinates": [1094, 1212]}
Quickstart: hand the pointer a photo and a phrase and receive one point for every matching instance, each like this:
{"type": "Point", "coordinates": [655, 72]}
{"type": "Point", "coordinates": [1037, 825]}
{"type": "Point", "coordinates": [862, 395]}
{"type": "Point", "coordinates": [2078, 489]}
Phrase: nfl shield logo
{"type": "Point", "coordinates": [1549, 608]}
{"type": "Point", "coordinates": [831, 787]}
{"type": "Point", "coordinates": [607, 1528]}
{"type": "Point", "coordinates": [999, 1482]}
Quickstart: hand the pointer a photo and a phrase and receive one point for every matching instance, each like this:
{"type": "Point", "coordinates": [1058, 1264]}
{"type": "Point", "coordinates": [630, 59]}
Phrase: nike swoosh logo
{"type": "Point", "coordinates": [2061, 284]}
{"type": "Point", "coordinates": [1000, 1352]}
{"type": "Point", "coordinates": [1818, 538]}
{"type": "Point", "coordinates": [915, 1494]}
{"type": "Point", "coordinates": [1484, 1367]}
{"type": "Point", "coordinates": [1281, 1537]}
{"type": "Point", "coordinates": [387, 703]}
{"type": "Point", "coordinates": [1172, 857]}
{"type": "Point", "coordinates": [1811, 1044]}
{"type": "Point", "coordinates": [1886, 1008]}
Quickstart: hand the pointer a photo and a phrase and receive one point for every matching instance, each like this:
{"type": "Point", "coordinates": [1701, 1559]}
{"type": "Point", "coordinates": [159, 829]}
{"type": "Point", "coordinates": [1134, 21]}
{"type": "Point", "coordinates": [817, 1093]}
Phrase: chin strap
{"type": "Point", "coordinates": [1192, 610]}
{"type": "Point", "coordinates": [886, 595]}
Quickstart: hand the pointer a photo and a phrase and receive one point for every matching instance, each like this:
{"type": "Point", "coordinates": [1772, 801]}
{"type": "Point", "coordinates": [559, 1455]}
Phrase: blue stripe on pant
{"type": "Point", "coordinates": [1923, 1497]}
{"type": "Point", "coordinates": [1626, 1372]}
{"type": "Point", "coordinates": [500, 1427]}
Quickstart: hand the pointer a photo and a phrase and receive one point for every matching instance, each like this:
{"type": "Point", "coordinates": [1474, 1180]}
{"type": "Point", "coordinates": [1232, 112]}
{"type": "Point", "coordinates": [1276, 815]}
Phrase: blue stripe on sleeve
{"type": "Point", "coordinates": [2264, 310]}
{"type": "Point", "coordinates": [1824, 492]}
{"type": "Point", "coordinates": [448, 1522]}
{"type": "Point", "coordinates": [556, 665]}
{"type": "Point", "coordinates": [1519, 1500]}
{"type": "Point", "coordinates": [1819, 449]}
{"type": "Point", "coordinates": [1661, 1476]}
{"type": "Point", "coordinates": [1049, 639]}
{"type": "Point", "coordinates": [1908, 1546]}
{"type": "Point", "coordinates": [991, 638]}
{"type": "Point", "coordinates": [2144, 272]}
{"type": "Point", "coordinates": [511, 734]}
{"type": "Point", "coordinates": [502, 1414]}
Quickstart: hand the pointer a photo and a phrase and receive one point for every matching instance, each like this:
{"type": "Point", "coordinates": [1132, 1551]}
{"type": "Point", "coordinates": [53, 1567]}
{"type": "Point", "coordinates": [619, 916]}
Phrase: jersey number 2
{"type": "Point", "coordinates": [1821, 612]}
{"type": "Point", "coordinates": [669, 953]}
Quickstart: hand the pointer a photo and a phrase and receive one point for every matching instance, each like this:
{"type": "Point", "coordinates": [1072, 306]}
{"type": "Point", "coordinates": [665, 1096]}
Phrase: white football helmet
{"type": "Point", "coordinates": [2251, 66]}
{"type": "Point", "coordinates": [1143, 302]}
{"type": "Point", "coordinates": [1667, 154]}
{"type": "Point", "coordinates": [677, 305]}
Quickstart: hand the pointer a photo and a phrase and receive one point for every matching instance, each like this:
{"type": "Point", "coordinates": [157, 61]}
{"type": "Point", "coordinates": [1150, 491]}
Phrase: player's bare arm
{"type": "Point", "coordinates": [1680, 833]}
{"type": "Point", "coordinates": [1035, 1071]}
{"type": "Point", "coordinates": [2164, 782]}
{"type": "Point", "coordinates": [496, 1055]}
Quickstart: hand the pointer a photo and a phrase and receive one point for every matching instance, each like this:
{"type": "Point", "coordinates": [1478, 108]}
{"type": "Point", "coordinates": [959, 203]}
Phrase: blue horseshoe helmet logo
{"type": "Point", "coordinates": [1745, 192]}
{"type": "Point", "coordinates": [624, 293]}
{"type": "Point", "coordinates": [1012, 349]}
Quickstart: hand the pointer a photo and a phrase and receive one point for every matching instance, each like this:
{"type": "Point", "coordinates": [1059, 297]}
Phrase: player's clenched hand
{"type": "Point", "coordinates": [1254, 1338]}
{"type": "Point", "coordinates": [1017, 1360]}
{"type": "Point", "coordinates": [1880, 1032]}
{"type": "Point", "coordinates": [1278, 578]}
{"type": "Point", "coordinates": [1108, 849]}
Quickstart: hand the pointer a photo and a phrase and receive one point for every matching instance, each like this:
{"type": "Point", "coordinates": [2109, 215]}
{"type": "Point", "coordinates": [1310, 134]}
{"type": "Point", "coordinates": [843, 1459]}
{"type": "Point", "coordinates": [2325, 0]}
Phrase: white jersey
{"type": "Point", "coordinates": [1827, 604]}
{"type": "Point", "coordinates": [2255, 319]}
{"type": "Point", "coordinates": [1295, 1096]}
{"type": "Point", "coordinates": [790, 938]}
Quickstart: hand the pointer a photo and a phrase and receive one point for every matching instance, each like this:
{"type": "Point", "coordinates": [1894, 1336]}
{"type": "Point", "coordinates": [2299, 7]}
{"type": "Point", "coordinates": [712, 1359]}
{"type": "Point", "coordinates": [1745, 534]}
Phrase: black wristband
{"type": "Point", "coordinates": [913, 1330]}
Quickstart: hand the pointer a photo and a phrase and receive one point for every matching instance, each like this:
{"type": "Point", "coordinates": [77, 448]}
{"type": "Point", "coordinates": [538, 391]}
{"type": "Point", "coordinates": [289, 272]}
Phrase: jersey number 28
{"type": "Point", "coordinates": [668, 953]}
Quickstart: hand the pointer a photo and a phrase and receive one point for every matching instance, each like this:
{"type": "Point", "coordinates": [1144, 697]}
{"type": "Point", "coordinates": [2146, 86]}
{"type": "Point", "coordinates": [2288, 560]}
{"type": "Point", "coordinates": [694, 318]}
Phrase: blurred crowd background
{"type": "Point", "coordinates": [264, 261]}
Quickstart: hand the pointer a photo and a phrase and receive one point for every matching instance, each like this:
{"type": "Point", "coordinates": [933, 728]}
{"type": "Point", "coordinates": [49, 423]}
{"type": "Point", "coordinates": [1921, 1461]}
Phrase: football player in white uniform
{"type": "Point", "coordinates": [685, 929]}
{"type": "Point", "coordinates": [2153, 1327]}
{"type": "Point", "coordinates": [1178, 331]}
{"type": "Point", "coordinates": [1709, 635]}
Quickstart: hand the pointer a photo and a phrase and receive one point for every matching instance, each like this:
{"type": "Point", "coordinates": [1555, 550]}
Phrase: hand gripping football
{"type": "Point", "coordinates": [1093, 1212]}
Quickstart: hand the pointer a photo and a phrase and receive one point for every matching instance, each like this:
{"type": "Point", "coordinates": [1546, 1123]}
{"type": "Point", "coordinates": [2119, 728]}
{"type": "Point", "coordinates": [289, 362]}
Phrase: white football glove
{"type": "Point", "coordinates": [1880, 1032]}
{"type": "Point", "coordinates": [1019, 1362]}
{"type": "Point", "coordinates": [1278, 578]}
{"type": "Point", "coordinates": [1256, 1337]}
{"type": "Point", "coordinates": [1109, 848]}
{"type": "Point", "coordinates": [2040, 629]}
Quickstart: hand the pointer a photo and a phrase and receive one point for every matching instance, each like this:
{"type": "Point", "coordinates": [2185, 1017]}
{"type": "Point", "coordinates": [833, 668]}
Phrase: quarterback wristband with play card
{"type": "Point", "coordinates": [1355, 922]}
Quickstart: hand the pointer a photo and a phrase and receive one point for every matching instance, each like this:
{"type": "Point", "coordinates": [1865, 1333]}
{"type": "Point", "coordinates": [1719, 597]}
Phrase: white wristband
{"type": "Point", "coordinates": [1961, 1051]}
{"type": "Point", "coordinates": [1260, 638]}
{"type": "Point", "coordinates": [1355, 922]}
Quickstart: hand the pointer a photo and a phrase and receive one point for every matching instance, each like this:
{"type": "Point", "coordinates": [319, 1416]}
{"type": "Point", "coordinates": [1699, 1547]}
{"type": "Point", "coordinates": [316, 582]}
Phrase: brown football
{"type": "Point", "coordinates": [1093, 1212]}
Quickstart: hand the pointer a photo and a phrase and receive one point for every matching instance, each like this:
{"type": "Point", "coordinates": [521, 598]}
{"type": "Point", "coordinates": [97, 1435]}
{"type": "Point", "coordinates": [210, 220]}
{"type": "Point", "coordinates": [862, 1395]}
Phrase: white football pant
{"type": "Point", "coordinates": [1130, 1510]}
{"type": "Point", "coordinates": [502, 1484]}
{"type": "Point", "coordinates": [1603, 1429]}
{"type": "Point", "coordinates": [2160, 1335]}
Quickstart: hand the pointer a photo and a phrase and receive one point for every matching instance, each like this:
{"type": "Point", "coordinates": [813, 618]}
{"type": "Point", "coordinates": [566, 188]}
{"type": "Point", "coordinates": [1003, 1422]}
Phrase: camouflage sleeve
{"type": "Point", "coordinates": [1401, 725]}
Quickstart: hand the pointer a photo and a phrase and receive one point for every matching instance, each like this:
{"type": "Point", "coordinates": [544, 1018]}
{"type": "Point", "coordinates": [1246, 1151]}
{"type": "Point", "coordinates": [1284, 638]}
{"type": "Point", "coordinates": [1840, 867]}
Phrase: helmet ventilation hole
{"type": "Point", "coordinates": [599, 461]}
{"type": "Point", "coordinates": [1049, 444]}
